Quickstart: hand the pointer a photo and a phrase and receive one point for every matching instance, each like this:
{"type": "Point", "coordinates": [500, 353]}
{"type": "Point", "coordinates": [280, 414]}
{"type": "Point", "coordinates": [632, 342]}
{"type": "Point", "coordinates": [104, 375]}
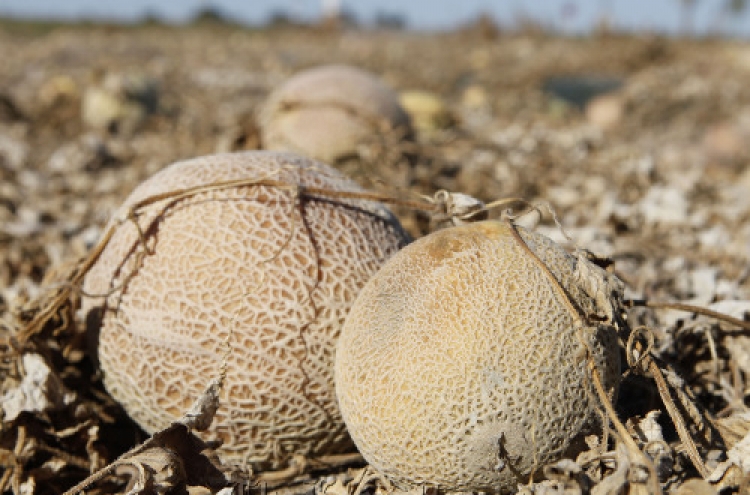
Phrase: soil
{"type": "Point", "coordinates": [639, 144]}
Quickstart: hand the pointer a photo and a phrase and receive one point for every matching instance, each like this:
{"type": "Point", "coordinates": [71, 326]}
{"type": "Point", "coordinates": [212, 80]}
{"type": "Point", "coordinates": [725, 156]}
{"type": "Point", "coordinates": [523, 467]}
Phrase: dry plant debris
{"type": "Point", "coordinates": [661, 189]}
{"type": "Point", "coordinates": [173, 458]}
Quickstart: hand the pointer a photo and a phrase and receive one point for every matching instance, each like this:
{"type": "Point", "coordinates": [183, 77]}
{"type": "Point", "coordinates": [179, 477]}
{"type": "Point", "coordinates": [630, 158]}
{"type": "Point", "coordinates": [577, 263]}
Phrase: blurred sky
{"type": "Point", "coordinates": [709, 16]}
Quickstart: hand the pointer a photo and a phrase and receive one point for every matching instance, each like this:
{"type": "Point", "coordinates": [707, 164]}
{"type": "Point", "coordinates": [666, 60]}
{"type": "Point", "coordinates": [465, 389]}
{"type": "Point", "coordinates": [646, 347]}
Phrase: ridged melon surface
{"type": "Point", "coordinates": [461, 364]}
{"type": "Point", "coordinates": [270, 273]}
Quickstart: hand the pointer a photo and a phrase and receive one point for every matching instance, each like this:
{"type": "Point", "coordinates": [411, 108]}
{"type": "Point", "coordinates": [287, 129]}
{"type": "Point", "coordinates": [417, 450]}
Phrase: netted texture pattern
{"type": "Point", "coordinates": [326, 112]}
{"type": "Point", "coordinates": [460, 364]}
{"type": "Point", "coordinates": [268, 271]}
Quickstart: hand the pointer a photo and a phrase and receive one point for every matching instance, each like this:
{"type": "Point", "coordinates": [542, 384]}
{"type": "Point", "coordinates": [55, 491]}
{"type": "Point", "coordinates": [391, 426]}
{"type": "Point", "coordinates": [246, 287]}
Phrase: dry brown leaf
{"type": "Point", "coordinates": [695, 486]}
{"type": "Point", "coordinates": [171, 458]}
{"type": "Point", "coordinates": [40, 390]}
{"type": "Point", "coordinates": [617, 482]}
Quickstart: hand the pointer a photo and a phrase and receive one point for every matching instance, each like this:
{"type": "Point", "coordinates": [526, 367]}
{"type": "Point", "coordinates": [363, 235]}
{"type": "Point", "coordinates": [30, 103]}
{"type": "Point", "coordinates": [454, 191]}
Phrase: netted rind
{"type": "Point", "coordinates": [268, 270]}
{"type": "Point", "coordinates": [460, 364]}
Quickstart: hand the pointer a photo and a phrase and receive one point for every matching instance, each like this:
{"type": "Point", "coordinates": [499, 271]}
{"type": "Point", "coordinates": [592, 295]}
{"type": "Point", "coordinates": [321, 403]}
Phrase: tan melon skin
{"type": "Point", "coordinates": [461, 347]}
{"type": "Point", "coordinates": [241, 265]}
{"type": "Point", "coordinates": [326, 112]}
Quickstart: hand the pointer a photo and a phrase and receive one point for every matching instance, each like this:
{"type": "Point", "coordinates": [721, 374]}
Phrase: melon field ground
{"type": "Point", "coordinates": [640, 145]}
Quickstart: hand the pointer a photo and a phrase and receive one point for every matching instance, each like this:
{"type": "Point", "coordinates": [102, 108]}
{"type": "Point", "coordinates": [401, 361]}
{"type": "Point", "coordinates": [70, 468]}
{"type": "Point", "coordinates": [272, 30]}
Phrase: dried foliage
{"type": "Point", "coordinates": [662, 194]}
